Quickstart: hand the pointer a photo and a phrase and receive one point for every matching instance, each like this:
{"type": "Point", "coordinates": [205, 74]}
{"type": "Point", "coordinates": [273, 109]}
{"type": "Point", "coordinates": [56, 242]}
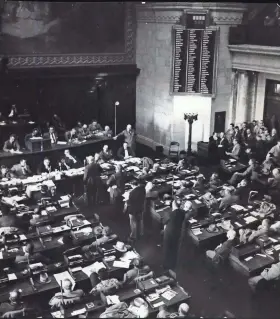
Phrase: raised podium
{"type": "Point", "coordinates": [38, 144]}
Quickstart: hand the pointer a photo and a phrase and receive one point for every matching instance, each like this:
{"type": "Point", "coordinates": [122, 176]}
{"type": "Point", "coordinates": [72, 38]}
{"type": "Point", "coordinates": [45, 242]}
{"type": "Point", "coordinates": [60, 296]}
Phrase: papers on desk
{"type": "Point", "coordinates": [231, 160]}
{"type": "Point", "coordinates": [31, 122]}
{"type": "Point", "coordinates": [237, 224]}
{"type": "Point", "coordinates": [36, 265]}
{"type": "Point", "coordinates": [250, 219]}
{"type": "Point", "coordinates": [169, 294]}
{"type": "Point", "coordinates": [192, 221]}
{"type": "Point", "coordinates": [198, 202]}
{"type": "Point", "coordinates": [78, 312]}
{"type": "Point", "coordinates": [277, 247]}
{"type": "Point", "coordinates": [61, 143]}
{"type": "Point", "coordinates": [238, 208]}
{"type": "Point", "coordinates": [121, 264]}
{"type": "Point", "coordinates": [261, 255]}
{"type": "Point", "coordinates": [60, 241]}
{"type": "Point", "coordinates": [85, 231]}
{"type": "Point", "coordinates": [22, 237]}
{"type": "Point", "coordinates": [105, 166]}
{"type": "Point", "coordinates": [156, 305]}
{"type": "Point", "coordinates": [74, 257]}
{"type": "Point", "coordinates": [62, 276]}
{"type": "Point", "coordinates": [133, 168]}
{"type": "Point", "coordinates": [273, 240]}
{"type": "Point", "coordinates": [112, 300]}
{"type": "Point", "coordinates": [57, 314]}
{"type": "Point", "coordinates": [248, 258]}
{"type": "Point", "coordinates": [256, 214]}
{"type": "Point", "coordinates": [95, 267]}
{"type": "Point", "coordinates": [60, 228]}
{"type": "Point", "coordinates": [129, 255]}
{"type": "Point", "coordinates": [51, 209]}
{"type": "Point", "coordinates": [76, 269]}
{"type": "Point", "coordinates": [12, 277]}
{"type": "Point", "coordinates": [196, 231]}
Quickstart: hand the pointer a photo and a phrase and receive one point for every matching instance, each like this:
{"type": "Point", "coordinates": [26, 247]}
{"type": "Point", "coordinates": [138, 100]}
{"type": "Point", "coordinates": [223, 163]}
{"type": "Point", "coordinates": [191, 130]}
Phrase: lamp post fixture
{"type": "Point", "coordinates": [190, 117]}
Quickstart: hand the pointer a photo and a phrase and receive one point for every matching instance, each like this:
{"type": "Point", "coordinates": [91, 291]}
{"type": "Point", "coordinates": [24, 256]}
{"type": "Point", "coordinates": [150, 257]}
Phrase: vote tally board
{"type": "Point", "coordinates": [194, 60]}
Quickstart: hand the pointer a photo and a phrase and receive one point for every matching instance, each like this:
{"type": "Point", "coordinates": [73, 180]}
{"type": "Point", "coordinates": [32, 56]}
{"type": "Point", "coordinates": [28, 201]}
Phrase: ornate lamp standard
{"type": "Point", "coordinates": [190, 117]}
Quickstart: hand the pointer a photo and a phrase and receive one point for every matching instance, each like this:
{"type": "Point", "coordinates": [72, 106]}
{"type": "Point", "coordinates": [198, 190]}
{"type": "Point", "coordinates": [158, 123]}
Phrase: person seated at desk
{"type": "Point", "coordinates": [2, 117]}
{"type": "Point", "coordinates": [29, 256]}
{"type": "Point", "coordinates": [35, 133]}
{"type": "Point", "coordinates": [106, 154]}
{"type": "Point", "coordinates": [268, 274]}
{"type": "Point", "coordinates": [107, 132]}
{"type": "Point", "coordinates": [214, 182]}
{"type": "Point", "coordinates": [68, 296]}
{"type": "Point", "coordinates": [138, 272]}
{"type": "Point", "coordinates": [5, 172]}
{"type": "Point", "coordinates": [106, 236]}
{"type": "Point", "coordinates": [200, 183]}
{"type": "Point", "coordinates": [71, 136]}
{"type": "Point", "coordinates": [84, 132]}
{"type": "Point", "coordinates": [183, 312]}
{"type": "Point", "coordinates": [273, 156]}
{"type": "Point", "coordinates": [95, 127]}
{"type": "Point", "coordinates": [15, 307]}
{"type": "Point", "coordinates": [222, 251]}
{"type": "Point", "coordinates": [138, 308]}
{"type": "Point", "coordinates": [13, 113]}
{"type": "Point", "coordinates": [21, 170]}
{"type": "Point", "coordinates": [248, 173]}
{"type": "Point", "coordinates": [185, 189]}
{"type": "Point", "coordinates": [11, 145]}
{"type": "Point", "coordinates": [229, 198]}
{"type": "Point", "coordinates": [44, 194]}
{"type": "Point", "coordinates": [105, 284]}
{"type": "Point", "coordinates": [52, 134]}
{"type": "Point", "coordinates": [263, 229]}
{"type": "Point", "coordinates": [125, 152]}
{"type": "Point", "coordinates": [182, 164]}
{"type": "Point", "coordinates": [9, 219]}
{"type": "Point", "coordinates": [236, 150]}
{"type": "Point", "coordinates": [58, 124]}
{"type": "Point", "coordinates": [45, 167]}
{"type": "Point", "coordinates": [70, 161]}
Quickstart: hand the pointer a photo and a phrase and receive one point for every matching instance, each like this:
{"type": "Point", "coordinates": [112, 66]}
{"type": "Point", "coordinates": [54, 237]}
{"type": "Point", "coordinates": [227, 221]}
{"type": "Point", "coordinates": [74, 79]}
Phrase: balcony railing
{"type": "Point", "coordinates": [255, 35]}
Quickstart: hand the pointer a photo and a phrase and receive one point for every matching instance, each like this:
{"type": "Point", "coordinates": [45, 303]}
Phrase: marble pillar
{"type": "Point", "coordinates": [242, 97]}
{"type": "Point", "coordinates": [233, 96]}
{"type": "Point", "coordinates": [253, 94]}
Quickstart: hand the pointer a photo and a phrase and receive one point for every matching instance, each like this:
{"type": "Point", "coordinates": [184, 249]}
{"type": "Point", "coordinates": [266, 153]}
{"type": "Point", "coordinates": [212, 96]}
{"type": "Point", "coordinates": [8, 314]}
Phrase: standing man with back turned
{"type": "Point", "coordinates": [129, 137]}
{"type": "Point", "coordinates": [92, 181]}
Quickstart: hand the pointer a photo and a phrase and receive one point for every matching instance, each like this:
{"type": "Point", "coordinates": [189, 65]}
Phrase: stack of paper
{"type": "Point", "coordinates": [250, 219]}
{"type": "Point", "coordinates": [196, 231]}
{"type": "Point", "coordinates": [169, 294]}
{"type": "Point", "coordinates": [121, 264]}
{"type": "Point", "coordinates": [51, 209]}
{"type": "Point", "coordinates": [238, 208]}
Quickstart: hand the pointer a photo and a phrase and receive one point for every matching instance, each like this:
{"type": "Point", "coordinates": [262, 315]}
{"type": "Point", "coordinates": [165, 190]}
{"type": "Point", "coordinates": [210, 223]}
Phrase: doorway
{"type": "Point", "coordinates": [220, 120]}
{"type": "Point", "coordinates": [271, 116]}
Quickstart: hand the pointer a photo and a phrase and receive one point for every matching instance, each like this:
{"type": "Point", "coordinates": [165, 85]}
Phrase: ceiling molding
{"type": "Point", "coordinates": [255, 49]}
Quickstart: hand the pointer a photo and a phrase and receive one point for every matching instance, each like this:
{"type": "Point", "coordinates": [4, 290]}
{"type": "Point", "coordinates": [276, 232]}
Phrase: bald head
{"type": "Point", "coordinates": [183, 309]}
{"type": "Point", "coordinates": [66, 284]}
{"type": "Point", "coordinates": [14, 296]}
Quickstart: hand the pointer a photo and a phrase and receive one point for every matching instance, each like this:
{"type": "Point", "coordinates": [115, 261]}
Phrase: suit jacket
{"type": "Point", "coordinates": [42, 169]}
{"type": "Point", "coordinates": [136, 201]}
{"type": "Point", "coordinates": [106, 156]}
{"type": "Point", "coordinates": [17, 171]}
{"type": "Point", "coordinates": [83, 132]}
{"type": "Point", "coordinates": [69, 137]}
{"type": "Point", "coordinates": [9, 146]}
{"type": "Point", "coordinates": [48, 135]}
{"type": "Point", "coordinates": [250, 140]}
{"type": "Point", "coordinates": [227, 201]}
{"type": "Point", "coordinates": [224, 143]}
{"type": "Point", "coordinates": [236, 150]}
{"type": "Point", "coordinates": [121, 152]}
{"type": "Point", "coordinates": [129, 138]}
{"type": "Point", "coordinates": [72, 164]}
{"type": "Point", "coordinates": [118, 179]}
{"type": "Point", "coordinates": [96, 127]}
{"type": "Point", "coordinates": [92, 174]}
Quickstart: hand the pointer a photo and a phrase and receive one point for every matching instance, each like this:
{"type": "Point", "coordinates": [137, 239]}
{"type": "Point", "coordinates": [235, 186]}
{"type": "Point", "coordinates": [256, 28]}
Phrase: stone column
{"type": "Point", "coordinates": [242, 97]}
{"type": "Point", "coordinates": [253, 94]}
{"type": "Point", "coordinates": [232, 100]}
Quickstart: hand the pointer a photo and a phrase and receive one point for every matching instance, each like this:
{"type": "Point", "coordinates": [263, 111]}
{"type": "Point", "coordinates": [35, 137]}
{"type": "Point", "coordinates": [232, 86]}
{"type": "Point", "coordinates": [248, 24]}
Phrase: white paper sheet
{"type": "Point", "coordinates": [248, 258]}
{"type": "Point", "coordinates": [95, 267]}
{"type": "Point", "coordinates": [12, 277]}
{"type": "Point", "coordinates": [121, 264]}
{"type": "Point", "coordinates": [113, 300]}
{"type": "Point", "coordinates": [129, 255]}
{"type": "Point", "coordinates": [250, 219]}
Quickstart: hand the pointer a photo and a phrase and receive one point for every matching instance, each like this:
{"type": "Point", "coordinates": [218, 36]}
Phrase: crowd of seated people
{"type": "Point", "coordinates": [56, 131]}
{"type": "Point", "coordinates": [237, 141]}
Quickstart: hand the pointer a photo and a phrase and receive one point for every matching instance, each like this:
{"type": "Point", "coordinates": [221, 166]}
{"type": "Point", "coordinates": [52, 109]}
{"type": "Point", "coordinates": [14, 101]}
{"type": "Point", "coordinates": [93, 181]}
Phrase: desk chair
{"type": "Point", "coordinates": [174, 149]}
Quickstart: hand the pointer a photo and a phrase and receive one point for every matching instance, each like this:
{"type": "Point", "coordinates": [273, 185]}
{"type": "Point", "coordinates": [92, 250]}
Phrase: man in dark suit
{"type": "Point", "coordinates": [135, 209]}
{"type": "Point", "coordinates": [52, 135]}
{"type": "Point", "coordinates": [45, 167]}
{"type": "Point", "coordinates": [11, 145]}
{"type": "Point", "coordinates": [95, 127]}
{"type": "Point", "coordinates": [250, 140]}
{"type": "Point", "coordinates": [129, 137]}
{"type": "Point", "coordinates": [92, 181]}
{"type": "Point", "coordinates": [223, 145]}
{"type": "Point", "coordinates": [106, 154]}
{"type": "Point", "coordinates": [125, 152]}
{"type": "Point", "coordinates": [229, 199]}
{"type": "Point", "coordinates": [5, 172]}
{"type": "Point", "coordinates": [21, 170]}
{"type": "Point", "coordinates": [71, 136]}
{"type": "Point", "coordinates": [35, 133]}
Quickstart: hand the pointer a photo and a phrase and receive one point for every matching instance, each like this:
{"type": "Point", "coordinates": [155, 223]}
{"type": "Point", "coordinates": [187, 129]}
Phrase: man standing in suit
{"type": "Point", "coordinates": [129, 137]}
{"type": "Point", "coordinates": [92, 180]}
{"type": "Point", "coordinates": [52, 135]}
{"type": "Point", "coordinates": [21, 170]}
{"type": "Point", "coordinates": [135, 209]}
{"type": "Point", "coordinates": [125, 152]}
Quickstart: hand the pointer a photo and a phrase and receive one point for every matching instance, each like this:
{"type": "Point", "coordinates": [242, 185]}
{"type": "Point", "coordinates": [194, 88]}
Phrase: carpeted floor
{"type": "Point", "coordinates": [213, 290]}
